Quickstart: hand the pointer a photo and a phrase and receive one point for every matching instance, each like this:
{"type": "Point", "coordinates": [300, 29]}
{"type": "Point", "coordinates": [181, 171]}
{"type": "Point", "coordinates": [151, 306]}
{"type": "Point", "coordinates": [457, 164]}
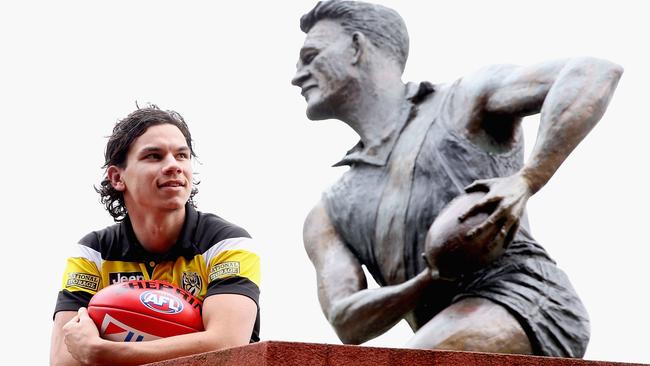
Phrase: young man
{"type": "Point", "coordinates": [420, 146]}
{"type": "Point", "coordinates": [159, 235]}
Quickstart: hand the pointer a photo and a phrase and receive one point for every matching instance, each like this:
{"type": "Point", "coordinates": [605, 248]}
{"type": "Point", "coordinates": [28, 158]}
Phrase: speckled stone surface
{"type": "Point", "coordinates": [275, 353]}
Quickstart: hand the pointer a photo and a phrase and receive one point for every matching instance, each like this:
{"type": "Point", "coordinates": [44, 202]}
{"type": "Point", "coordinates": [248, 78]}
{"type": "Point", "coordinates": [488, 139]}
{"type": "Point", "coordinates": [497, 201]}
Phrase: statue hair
{"type": "Point", "coordinates": [383, 26]}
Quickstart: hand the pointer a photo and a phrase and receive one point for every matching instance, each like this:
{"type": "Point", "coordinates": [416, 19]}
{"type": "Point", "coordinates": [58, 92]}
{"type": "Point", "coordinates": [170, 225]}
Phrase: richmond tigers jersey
{"type": "Point", "coordinates": [211, 256]}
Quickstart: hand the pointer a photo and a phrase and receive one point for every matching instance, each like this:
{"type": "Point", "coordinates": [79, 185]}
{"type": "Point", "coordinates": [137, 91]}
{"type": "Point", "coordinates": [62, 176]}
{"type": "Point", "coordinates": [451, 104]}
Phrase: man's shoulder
{"type": "Point", "coordinates": [103, 237]}
{"type": "Point", "coordinates": [485, 78]}
{"type": "Point", "coordinates": [212, 229]}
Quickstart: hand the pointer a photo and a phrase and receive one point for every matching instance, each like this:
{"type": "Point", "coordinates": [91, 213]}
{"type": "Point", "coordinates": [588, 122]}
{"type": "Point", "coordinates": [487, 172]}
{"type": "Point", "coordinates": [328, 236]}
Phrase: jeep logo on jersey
{"type": "Point", "coordinates": [191, 283]}
{"type": "Point", "coordinates": [117, 277]}
{"type": "Point", "coordinates": [162, 302]}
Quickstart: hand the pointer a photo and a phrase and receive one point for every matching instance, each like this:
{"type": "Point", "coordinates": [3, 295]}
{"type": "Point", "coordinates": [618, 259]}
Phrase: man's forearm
{"type": "Point", "coordinates": [228, 319]}
{"type": "Point", "coordinates": [136, 353]}
{"type": "Point", "coordinates": [574, 104]}
{"type": "Point", "coordinates": [368, 313]}
{"type": "Point", "coordinates": [59, 355]}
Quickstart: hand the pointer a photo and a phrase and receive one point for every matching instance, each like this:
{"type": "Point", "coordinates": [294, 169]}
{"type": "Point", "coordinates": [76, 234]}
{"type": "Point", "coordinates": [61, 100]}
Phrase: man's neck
{"type": "Point", "coordinates": [378, 111]}
{"type": "Point", "coordinates": [157, 231]}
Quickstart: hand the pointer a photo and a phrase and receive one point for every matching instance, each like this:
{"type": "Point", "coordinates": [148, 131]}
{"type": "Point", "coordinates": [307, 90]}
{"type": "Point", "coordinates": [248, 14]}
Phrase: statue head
{"type": "Point", "coordinates": [383, 26]}
{"type": "Point", "coordinates": [343, 38]}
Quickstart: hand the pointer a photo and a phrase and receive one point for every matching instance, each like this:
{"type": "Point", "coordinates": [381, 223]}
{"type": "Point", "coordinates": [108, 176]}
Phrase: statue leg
{"type": "Point", "coordinates": [473, 324]}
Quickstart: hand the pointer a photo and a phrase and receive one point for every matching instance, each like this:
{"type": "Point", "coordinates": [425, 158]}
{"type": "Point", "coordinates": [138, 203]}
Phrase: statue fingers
{"type": "Point", "coordinates": [480, 185]}
{"type": "Point", "coordinates": [507, 232]}
{"type": "Point", "coordinates": [486, 225]}
{"type": "Point", "coordinates": [426, 260]}
{"type": "Point", "coordinates": [485, 205]}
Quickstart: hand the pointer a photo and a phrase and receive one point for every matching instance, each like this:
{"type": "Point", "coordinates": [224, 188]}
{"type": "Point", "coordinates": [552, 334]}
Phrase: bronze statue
{"type": "Point", "coordinates": [421, 145]}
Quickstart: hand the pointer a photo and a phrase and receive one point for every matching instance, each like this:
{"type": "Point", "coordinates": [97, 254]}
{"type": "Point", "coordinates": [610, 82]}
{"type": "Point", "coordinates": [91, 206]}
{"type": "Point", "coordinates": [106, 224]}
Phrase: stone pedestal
{"type": "Point", "coordinates": [274, 353]}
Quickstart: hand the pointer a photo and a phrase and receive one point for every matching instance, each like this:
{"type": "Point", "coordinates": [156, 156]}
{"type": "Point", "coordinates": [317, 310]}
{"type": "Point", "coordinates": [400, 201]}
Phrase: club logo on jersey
{"type": "Point", "coordinates": [225, 269]}
{"type": "Point", "coordinates": [83, 280]}
{"type": "Point", "coordinates": [114, 330]}
{"type": "Point", "coordinates": [117, 277]}
{"type": "Point", "coordinates": [192, 283]}
{"type": "Point", "coordinates": [161, 301]}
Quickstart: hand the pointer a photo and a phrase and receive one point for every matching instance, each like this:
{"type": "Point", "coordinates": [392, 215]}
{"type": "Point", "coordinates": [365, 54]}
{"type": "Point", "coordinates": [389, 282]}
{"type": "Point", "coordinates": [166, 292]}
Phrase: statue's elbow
{"type": "Point", "coordinates": [618, 70]}
{"type": "Point", "coordinates": [348, 337]}
{"type": "Point", "coordinates": [598, 68]}
{"type": "Point", "coordinates": [345, 326]}
{"type": "Point", "coordinates": [614, 72]}
{"type": "Point", "coordinates": [611, 74]}
{"type": "Point", "coordinates": [611, 71]}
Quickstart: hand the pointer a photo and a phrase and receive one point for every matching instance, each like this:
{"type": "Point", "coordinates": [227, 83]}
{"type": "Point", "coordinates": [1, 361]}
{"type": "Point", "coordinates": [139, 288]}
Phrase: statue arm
{"type": "Point", "coordinates": [571, 95]}
{"type": "Point", "coordinates": [357, 313]}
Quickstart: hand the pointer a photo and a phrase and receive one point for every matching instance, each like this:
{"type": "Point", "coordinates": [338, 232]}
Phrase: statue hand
{"type": "Point", "coordinates": [430, 270]}
{"type": "Point", "coordinates": [505, 198]}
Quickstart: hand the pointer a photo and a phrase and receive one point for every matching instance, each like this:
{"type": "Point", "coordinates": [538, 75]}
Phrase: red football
{"type": "Point", "coordinates": [143, 310]}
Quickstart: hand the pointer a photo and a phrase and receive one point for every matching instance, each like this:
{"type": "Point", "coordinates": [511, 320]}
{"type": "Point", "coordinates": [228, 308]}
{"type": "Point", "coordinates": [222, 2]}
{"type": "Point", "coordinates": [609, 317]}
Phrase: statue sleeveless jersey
{"type": "Point", "coordinates": [383, 206]}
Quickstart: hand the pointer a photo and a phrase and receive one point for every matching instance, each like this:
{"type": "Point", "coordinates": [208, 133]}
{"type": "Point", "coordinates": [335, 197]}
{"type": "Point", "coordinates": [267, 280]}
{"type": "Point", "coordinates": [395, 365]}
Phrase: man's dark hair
{"type": "Point", "coordinates": [383, 26]}
{"type": "Point", "coordinates": [124, 133]}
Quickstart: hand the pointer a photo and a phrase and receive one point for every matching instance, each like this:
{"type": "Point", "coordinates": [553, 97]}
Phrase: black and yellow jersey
{"type": "Point", "coordinates": [212, 256]}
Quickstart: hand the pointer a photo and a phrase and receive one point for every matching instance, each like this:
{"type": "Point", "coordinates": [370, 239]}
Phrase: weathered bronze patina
{"type": "Point", "coordinates": [421, 145]}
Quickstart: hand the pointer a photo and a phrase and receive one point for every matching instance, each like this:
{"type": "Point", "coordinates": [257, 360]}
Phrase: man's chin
{"type": "Point", "coordinates": [317, 113]}
{"type": "Point", "coordinates": [174, 204]}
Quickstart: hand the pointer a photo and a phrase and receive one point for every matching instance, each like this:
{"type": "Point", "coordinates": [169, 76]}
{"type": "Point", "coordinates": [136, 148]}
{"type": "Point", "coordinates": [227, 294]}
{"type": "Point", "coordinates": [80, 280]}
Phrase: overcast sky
{"type": "Point", "coordinates": [70, 69]}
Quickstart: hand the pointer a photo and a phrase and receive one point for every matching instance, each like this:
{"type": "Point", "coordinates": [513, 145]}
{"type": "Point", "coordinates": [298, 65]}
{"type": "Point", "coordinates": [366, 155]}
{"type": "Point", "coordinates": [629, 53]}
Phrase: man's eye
{"type": "Point", "coordinates": [308, 58]}
{"type": "Point", "coordinates": [152, 156]}
{"type": "Point", "coordinates": [183, 156]}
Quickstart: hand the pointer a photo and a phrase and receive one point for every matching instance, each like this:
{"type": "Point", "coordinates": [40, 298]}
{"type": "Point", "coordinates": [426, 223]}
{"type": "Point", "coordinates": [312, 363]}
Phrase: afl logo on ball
{"type": "Point", "coordinates": [162, 302]}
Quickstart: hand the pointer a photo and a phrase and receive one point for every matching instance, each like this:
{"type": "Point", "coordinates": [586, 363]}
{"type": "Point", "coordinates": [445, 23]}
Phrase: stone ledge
{"type": "Point", "coordinates": [277, 353]}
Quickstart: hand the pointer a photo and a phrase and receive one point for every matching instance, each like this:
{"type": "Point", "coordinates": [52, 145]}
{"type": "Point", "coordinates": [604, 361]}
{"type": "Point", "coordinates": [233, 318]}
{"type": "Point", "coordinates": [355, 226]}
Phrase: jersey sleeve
{"type": "Point", "coordinates": [81, 277]}
{"type": "Point", "coordinates": [233, 267]}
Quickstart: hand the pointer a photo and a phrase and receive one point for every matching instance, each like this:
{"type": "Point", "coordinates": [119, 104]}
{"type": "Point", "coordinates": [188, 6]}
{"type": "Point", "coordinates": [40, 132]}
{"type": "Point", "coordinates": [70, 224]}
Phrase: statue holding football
{"type": "Point", "coordinates": [433, 204]}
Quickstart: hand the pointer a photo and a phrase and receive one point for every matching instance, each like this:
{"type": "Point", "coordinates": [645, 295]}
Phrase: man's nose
{"type": "Point", "coordinates": [300, 77]}
{"type": "Point", "coordinates": [172, 166]}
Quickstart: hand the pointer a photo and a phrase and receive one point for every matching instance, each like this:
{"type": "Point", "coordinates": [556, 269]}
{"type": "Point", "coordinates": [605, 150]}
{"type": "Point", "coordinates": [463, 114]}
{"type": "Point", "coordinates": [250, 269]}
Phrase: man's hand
{"type": "Point", "coordinates": [506, 198]}
{"type": "Point", "coordinates": [82, 337]}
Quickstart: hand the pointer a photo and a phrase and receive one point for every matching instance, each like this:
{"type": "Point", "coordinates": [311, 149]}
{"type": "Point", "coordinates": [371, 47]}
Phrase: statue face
{"type": "Point", "coordinates": [325, 70]}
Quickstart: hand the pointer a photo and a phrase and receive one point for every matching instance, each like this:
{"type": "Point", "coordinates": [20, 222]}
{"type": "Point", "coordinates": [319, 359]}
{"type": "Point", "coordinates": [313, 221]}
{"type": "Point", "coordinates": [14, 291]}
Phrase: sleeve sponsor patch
{"type": "Point", "coordinates": [83, 280]}
{"type": "Point", "coordinates": [81, 274]}
{"type": "Point", "coordinates": [233, 257]}
{"type": "Point", "coordinates": [230, 263]}
{"type": "Point", "coordinates": [223, 270]}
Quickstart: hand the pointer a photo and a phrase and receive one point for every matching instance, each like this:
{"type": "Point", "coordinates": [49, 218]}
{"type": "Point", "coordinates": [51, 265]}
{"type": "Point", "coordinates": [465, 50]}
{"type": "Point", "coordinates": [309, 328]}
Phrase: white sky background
{"type": "Point", "coordinates": [70, 69]}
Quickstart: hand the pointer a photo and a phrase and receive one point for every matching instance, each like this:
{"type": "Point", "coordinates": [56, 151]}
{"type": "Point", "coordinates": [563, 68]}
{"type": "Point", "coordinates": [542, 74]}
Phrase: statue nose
{"type": "Point", "coordinates": [300, 77]}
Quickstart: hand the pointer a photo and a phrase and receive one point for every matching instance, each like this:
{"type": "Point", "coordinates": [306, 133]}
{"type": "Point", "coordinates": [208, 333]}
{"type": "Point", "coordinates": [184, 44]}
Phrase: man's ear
{"type": "Point", "coordinates": [114, 175]}
{"type": "Point", "coordinates": [359, 44]}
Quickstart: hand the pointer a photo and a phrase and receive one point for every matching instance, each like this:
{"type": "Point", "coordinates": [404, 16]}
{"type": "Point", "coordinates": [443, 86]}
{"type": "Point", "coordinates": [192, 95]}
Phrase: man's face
{"type": "Point", "coordinates": [158, 172]}
{"type": "Point", "coordinates": [325, 69]}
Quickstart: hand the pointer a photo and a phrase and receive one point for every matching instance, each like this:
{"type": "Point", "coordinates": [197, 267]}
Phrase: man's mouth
{"type": "Point", "coordinates": [304, 90]}
{"type": "Point", "coordinates": [172, 183]}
